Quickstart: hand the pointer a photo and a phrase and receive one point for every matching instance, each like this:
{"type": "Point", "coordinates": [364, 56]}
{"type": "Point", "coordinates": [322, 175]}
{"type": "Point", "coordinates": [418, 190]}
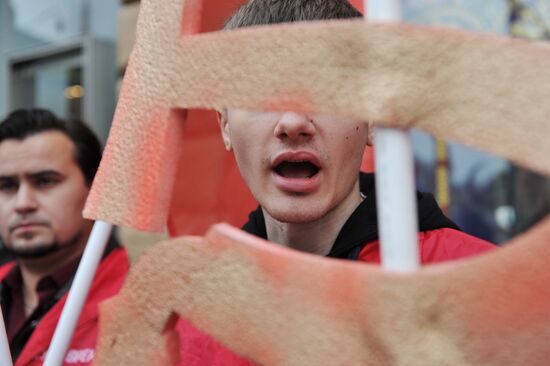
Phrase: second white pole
{"type": "Point", "coordinates": [395, 184]}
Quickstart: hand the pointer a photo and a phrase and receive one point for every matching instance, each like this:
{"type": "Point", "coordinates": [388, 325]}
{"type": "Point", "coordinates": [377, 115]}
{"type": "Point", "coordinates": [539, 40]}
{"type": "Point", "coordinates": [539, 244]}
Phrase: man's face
{"type": "Point", "coordinates": [298, 168]}
{"type": "Point", "coordinates": [42, 194]}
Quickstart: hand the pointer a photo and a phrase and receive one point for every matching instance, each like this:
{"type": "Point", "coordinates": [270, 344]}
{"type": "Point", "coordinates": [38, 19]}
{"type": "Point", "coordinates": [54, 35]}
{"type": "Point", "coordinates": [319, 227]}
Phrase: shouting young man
{"type": "Point", "coordinates": [304, 170]}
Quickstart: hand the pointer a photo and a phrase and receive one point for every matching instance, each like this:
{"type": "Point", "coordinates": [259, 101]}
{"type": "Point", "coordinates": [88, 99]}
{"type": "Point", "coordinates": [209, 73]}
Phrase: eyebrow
{"type": "Point", "coordinates": [34, 175]}
{"type": "Point", "coordinates": [44, 172]}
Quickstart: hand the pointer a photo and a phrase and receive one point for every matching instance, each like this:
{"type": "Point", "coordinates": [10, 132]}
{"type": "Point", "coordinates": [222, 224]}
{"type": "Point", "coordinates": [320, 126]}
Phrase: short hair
{"type": "Point", "coordinates": [261, 12]}
{"type": "Point", "coordinates": [24, 123]}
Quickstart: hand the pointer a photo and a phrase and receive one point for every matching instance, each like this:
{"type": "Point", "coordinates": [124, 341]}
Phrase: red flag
{"type": "Point", "coordinates": [359, 4]}
{"type": "Point", "coordinates": [208, 187]}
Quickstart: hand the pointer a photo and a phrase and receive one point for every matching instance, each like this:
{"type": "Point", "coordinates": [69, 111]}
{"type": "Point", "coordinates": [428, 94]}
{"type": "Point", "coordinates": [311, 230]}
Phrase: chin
{"type": "Point", "coordinates": [34, 251]}
{"type": "Point", "coordinates": [295, 215]}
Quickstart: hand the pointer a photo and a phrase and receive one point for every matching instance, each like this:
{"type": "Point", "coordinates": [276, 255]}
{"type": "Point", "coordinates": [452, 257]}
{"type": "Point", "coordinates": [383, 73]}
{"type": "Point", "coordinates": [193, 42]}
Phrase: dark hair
{"type": "Point", "coordinates": [260, 12]}
{"type": "Point", "coordinates": [23, 123]}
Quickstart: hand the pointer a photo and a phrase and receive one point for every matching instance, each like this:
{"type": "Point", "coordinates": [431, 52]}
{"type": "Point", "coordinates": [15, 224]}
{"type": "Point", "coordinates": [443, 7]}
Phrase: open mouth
{"type": "Point", "coordinates": [296, 169]}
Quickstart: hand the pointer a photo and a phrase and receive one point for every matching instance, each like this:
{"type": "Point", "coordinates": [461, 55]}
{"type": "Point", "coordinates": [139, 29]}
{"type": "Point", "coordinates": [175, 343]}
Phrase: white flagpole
{"type": "Point", "coordinates": [79, 291]}
{"type": "Point", "coordinates": [395, 185]}
{"type": "Point", "coordinates": [5, 354]}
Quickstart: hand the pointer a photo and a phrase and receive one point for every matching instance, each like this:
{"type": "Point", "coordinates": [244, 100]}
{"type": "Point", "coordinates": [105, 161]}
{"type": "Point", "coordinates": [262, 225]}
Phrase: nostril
{"type": "Point", "coordinates": [293, 125]}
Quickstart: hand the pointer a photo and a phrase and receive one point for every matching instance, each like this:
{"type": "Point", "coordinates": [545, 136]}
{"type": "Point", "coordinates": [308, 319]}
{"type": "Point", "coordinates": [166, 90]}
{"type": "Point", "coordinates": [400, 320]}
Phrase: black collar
{"type": "Point", "coordinates": [361, 227]}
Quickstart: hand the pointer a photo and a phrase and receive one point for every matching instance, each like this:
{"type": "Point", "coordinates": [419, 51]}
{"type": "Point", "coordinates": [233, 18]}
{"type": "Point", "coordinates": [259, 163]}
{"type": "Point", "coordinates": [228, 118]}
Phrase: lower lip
{"type": "Point", "coordinates": [27, 228]}
{"type": "Point", "coordinates": [297, 185]}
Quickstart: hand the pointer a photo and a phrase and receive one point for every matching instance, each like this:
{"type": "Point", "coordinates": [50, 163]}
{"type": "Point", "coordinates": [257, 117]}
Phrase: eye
{"type": "Point", "coordinates": [8, 185]}
{"type": "Point", "coordinates": [45, 182]}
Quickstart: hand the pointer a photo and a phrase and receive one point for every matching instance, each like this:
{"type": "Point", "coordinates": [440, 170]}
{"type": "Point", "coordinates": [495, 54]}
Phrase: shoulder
{"type": "Point", "coordinates": [438, 245]}
{"type": "Point", "coordinates": [5, 268]}
{"type": "Point", "coordinates": [116, 264]}
{"type": "Point", "coordinates": [447, 244]}
{"type": "Point", "coordinates": [110, 275]}
{"type": "Point", "coordinates": [117, 259]}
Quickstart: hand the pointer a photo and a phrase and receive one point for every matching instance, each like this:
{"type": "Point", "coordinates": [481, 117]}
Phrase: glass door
{"type": "Point", "coordinates": [55, 83]}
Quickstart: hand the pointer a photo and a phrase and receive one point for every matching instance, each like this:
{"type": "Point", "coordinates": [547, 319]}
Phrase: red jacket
{"type": "Point", "coordinates": [107, 282]}
{"type": "Point", "coordinates": [199, 349]}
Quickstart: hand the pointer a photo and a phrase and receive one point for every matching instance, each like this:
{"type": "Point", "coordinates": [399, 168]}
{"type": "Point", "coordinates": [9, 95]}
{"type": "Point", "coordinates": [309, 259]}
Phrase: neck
{"type": "Point", "coordinates": [30, 296]}
{"type": "Point", "coordinates": [316, 237]}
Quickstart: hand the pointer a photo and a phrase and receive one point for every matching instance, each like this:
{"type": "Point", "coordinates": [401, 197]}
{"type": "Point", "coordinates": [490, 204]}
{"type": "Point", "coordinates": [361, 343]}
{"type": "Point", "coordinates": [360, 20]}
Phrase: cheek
{"type": "Point", "coordinates": [351, 152]}
{"type": "Point", "coordinates": [243, 156]}
{"type": "Point", "coordinates": [247, 146]}
{"type": "Point", "coordinates": [250, 167]}
{"type": "Point", "coordinates": [65, 209]}
{"type": "Point", "coordinates": [6, 215]}
{"type": "Point", "coordinates": [3, 224]}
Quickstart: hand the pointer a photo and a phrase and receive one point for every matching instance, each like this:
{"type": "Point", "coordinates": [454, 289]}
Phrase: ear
{"type": "Point", "coordinates": [370, 134]}
{"type": "Point", "coordinates": [224, 129]}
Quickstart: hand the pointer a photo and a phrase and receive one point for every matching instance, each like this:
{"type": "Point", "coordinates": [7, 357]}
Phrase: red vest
{"type": "Point", "coordinates": [107, 282]}
{"type": "Point", "coordinates": [199, 349]}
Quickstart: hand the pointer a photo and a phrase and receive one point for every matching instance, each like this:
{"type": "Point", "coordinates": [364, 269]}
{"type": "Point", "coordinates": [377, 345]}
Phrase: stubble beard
{"type": "Point", "coordinates": [41, 250]}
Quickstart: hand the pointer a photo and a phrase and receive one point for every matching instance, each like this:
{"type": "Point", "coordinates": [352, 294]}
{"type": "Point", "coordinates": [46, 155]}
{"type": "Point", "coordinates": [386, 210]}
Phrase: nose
{"type": "Point", "coordinates": [25, 201]}
{"type": "Point", "coordinates": [294, 126]}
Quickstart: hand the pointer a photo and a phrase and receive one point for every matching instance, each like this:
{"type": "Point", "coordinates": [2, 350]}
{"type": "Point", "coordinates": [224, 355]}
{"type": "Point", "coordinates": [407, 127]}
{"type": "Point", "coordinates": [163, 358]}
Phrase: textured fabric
{"type": "Point", "coordinates": [281, 307]}
{"type": "Point", "coordinates": [453, 84]}
{"type": "Point", "coordinates": [107, 282]}
{"type": "Point", "coordinates": [436, 246]}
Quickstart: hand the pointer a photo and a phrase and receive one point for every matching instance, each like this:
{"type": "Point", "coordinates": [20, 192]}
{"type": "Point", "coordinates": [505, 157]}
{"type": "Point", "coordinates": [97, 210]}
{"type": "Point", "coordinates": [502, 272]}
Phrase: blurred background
{"type": "Point", "coordinates": [70, 55]}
